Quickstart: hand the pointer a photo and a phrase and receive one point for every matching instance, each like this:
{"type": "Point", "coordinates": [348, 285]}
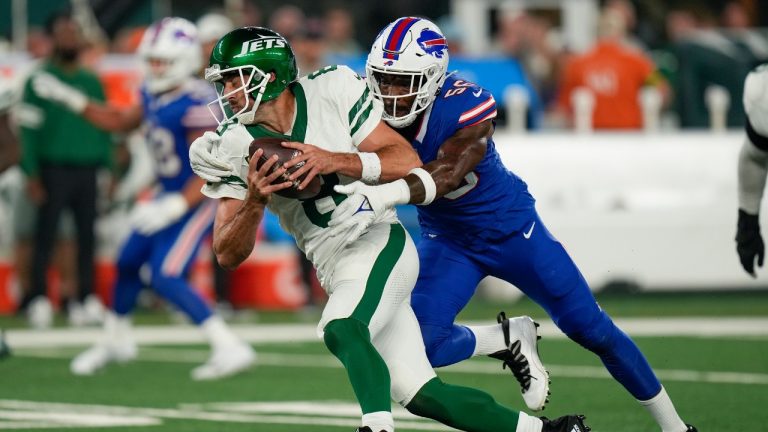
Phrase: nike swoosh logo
{"type": "Point", "coordinates": [477, 93]}
{"type": "Point", "coordinates": [527, 235]}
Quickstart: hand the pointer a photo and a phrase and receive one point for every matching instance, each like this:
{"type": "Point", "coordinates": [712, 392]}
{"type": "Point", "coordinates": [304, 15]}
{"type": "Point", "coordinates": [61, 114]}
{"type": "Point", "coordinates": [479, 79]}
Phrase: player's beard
{"type": "Point", "coordinates": [66, 55]}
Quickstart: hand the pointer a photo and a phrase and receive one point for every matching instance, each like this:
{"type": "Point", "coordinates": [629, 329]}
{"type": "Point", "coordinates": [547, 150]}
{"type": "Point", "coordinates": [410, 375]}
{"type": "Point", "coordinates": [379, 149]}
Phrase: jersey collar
{"type": "Point", "coordinates": [299, 130]}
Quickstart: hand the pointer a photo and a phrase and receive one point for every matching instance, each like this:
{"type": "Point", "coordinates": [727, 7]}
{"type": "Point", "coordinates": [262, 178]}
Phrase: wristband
{"type": "Point", "coordinates": [430, 188]}
{"type": "Point", "coordinates": [371, 167]}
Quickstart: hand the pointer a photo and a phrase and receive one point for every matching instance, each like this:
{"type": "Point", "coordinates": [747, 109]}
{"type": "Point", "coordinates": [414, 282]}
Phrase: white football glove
{"type": "Point", "coordinates": [351, 218]}
{"type": "Point", "coordinates": [51, 88]}
{"type": "Point", "coordinates": [363, 205]}
{"type": "Point", "coordinates": [150, 217]}
{"type": "Point", "coordinates": [205, 162]}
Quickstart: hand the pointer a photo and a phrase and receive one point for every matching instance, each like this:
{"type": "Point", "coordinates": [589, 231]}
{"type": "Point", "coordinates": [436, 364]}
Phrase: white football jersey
{"type": "Point", "coordinates": [334, 111]}
{"type": "Point", "coordinates": [756, 99]}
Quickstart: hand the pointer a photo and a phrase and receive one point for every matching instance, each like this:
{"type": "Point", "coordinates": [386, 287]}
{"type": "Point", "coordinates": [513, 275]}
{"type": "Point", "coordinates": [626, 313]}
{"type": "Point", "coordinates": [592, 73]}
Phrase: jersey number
{"type": "Point", "coordinates": [469, 183]}
{"type": "Point", "coordinates": [459, 88]}
{"type": "Point", "coordinates": [319, 72]}
{"type": "Point", "coordinates": [163, 146]}
{"type": "Point", "coordinates": [320, 208]}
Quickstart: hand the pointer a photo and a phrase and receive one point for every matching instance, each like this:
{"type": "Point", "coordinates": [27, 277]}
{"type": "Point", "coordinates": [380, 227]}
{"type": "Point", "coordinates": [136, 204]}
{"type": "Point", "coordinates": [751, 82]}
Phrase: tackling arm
{"type": "Point", "coordinates": [458, 155]}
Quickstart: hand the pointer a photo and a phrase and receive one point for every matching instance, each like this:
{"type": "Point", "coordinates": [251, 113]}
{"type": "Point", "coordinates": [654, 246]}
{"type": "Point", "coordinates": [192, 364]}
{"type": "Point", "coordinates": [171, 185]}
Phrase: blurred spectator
{"type": "Point", "coordinates": [310, 47]}
{"type": "Point", "coordinates": [706, 56]}
{"type": "Point", "coordinates": [61, 154]}
{"type": "Point", "coordinates": [246, 13]}
{"type": "Point", "coordinates": [210, 28]}
{"type": "Point", "coordinates": [531, 40]}
{"type": "Point", "coordinates": [453, 35]}
{"type": "Point", "coordinates": [614, 72]}
{"type": "Point", "coordinates": [38, 43]}
{"type": "Point", "coordinates": [287, 20]}
{"type": "Point", "coordinates": [340, 33]}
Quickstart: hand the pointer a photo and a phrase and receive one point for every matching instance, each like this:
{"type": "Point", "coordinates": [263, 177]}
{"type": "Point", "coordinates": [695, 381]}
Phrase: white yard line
{"type": "Point", "coordinates": [272, 359]}
{"type": "Point", "coordinates": [291, 333]}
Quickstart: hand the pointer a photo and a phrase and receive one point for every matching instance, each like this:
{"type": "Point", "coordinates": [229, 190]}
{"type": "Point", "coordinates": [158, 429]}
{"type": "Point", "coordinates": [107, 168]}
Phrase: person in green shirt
{"type": "Point", "coordinates": [61, 154]}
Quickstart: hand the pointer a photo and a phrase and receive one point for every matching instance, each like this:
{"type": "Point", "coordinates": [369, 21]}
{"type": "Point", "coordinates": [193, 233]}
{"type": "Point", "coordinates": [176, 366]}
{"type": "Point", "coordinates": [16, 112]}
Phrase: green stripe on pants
{"type": "Point", "coordinates": [380, 272]}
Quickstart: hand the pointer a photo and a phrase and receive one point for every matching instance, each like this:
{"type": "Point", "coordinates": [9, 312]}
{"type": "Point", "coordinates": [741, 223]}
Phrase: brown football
{"type": "Point", "coordinates": [271, 146]}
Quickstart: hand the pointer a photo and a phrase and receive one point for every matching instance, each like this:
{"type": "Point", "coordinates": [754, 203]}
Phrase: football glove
{"type": "Point", "coordinates": [151, 217]}
{"type": "Point", "coordinates": [204, 161]}
{"type": "Point", "coordinates": [51, 88]}
{"type": "Point", "coordinates": [749, 242]}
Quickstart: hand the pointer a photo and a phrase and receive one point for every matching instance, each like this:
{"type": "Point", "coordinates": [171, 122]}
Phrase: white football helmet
{"type": "Point", "coordinates": [174, 42]}
{"type": "Point", "coordinates": [410, 51]}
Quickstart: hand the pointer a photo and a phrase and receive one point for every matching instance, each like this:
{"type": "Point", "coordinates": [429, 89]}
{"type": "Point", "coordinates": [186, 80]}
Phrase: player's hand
{"type": "Point", "coordinates": [36, 191]}
{"type": "Point", "coordinates": [351, 218]}
{"type": "Point", "coordinates": [377, 200]}
{"type": "Point", "coordinates": [316, 161]}
{"type": "Point", "coordinates": [749, 242]}
{"type": "Point", "coordinates": [51, 88]}
{"type": "Point", "coordinates": [205, 161]}
{"type": "Point", "coordinates": [150, 217]}
{"type": "Point", "coordinates": [260, 181]}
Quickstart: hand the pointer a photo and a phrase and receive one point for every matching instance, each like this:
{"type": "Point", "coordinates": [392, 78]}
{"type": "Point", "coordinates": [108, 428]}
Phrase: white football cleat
{"type": "Point", "coordinates": [93, 310]}
{"type": "Point", "coordinates": [225, 361]}
{"type": "Point", "coordinates": [100, 355]}
{"type": "Point", "coordinates": [522, 357]}
{"type": "Point", "coordinates": [40, 313]}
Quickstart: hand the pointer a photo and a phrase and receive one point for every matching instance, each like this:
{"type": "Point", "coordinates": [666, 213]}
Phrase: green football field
{"type": "Point", "coordinates": [711, 352]}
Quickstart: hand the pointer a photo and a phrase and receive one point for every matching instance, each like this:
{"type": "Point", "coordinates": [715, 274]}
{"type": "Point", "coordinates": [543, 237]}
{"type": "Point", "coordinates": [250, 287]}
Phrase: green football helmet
{"type": "Point", "coordinates": [257, 54]}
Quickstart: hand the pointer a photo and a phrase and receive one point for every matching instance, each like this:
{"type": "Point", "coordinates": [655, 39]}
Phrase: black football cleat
{"type": "Point", "coordinates": [366, 429]}
{"type": "Point", "coordinates": [569, 423]}
{"type": "Point", "coordinates": [691, 428]}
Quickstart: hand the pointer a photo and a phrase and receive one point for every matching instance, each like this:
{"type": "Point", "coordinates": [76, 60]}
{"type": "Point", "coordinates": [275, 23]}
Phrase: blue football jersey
{"type": "Point", "coordinates": [491, 203]}
{"type": "Point", "coordinates": [169, 118]}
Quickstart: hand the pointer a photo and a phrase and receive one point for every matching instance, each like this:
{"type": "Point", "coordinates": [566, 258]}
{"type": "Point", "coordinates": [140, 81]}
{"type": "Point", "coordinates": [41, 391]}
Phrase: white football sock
{"type": "Point", "coordinates": [489, 339]}
{"type": "Point", "coordinates": [527, 423]}
{"type": "Point", "coordinates": [118, 328]}
{"type": "Point", "coordinates": [217, 333]}
{"type": "Point", "coordinates": [663, 411]}
{"type": "Point", "coordinates": [379, 421]}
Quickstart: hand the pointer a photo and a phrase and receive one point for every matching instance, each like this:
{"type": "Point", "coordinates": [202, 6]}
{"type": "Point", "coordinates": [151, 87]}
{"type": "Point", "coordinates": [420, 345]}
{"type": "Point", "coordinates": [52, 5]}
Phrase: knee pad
{"type": "Point", "coordinates": [343, 332]}
{"type": "Point", "coordinates": [594, 331]}
{"type": "Point", "coordinates": [434, 336]}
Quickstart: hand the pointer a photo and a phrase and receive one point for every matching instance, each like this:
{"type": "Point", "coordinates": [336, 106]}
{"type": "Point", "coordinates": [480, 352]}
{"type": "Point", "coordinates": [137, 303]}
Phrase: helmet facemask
{"type": "Point", "coordinates": [422, 86]}
{"type": "Point", "coordinates": [253, 83]}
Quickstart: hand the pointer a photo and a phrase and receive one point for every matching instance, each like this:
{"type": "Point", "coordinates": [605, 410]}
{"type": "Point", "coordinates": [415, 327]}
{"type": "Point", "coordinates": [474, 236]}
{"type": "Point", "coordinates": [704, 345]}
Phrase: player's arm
{"type": "Point", "coordinates": [103, 116]}
{"type": "Point", "coordinates": [111, 118]}
{"type": "Point", "coordinates": [234, 229]}
{"type": "Point", "coordinates": [752, 171]}
{"type": "Point", "coordinates": [384, 155]}
{"type": "Point", "coordinates": [458, 155]}
{"type": "Point", "coordinates": [9, 147]}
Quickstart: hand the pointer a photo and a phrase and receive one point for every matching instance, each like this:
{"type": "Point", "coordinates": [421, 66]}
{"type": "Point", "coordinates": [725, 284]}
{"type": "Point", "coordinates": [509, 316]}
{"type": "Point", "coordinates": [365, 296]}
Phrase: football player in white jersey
{"type": "Point", "coordinates": [368, 323]}
{"type": "Point", "coordinates": [753, 169]}
{"type": "Point", "coordinates": [167, 230]}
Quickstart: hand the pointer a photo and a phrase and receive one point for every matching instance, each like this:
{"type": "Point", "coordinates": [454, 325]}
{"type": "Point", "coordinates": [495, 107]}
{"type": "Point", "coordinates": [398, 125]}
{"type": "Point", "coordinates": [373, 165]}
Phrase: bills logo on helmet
{"type": "Point", "coordinates": [432, 42]}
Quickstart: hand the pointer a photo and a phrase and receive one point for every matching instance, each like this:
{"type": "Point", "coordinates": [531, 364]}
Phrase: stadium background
{"type": "Point", "coordinates": [649, 215]}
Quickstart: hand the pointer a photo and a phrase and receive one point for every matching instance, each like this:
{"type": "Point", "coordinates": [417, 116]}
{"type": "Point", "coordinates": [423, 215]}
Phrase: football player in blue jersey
{"type": "Point", "coordinates": [168, 230]}
{"type": "Point", "coordinates": [479, 219]}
